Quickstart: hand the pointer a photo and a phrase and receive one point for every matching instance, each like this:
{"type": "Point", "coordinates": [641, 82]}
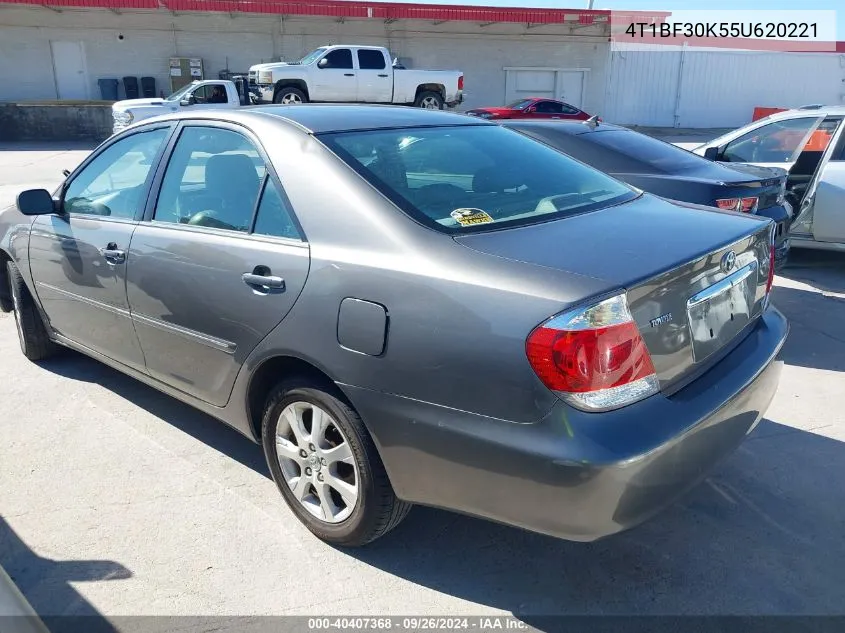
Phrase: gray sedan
{"type": "Point", "coordinates": [409, 306]}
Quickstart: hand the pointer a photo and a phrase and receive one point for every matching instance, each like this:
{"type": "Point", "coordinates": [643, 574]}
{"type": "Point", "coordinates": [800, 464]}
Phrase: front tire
{"type": "Point", "coordinates": [429, 101]}
{"type": "Point", "coordinates": [290, 96]}
{"type": "Point", "coordinates": [326, 465]}
{"type": "Point", "coordinates": [32, 333]}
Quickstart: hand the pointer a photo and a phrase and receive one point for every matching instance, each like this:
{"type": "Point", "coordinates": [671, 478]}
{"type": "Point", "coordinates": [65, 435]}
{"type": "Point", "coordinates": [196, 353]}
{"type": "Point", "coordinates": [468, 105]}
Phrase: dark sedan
{"type": "Point", "coordinates": [409, 306]}
{"type": "Point", "coordinates": [671, 172]}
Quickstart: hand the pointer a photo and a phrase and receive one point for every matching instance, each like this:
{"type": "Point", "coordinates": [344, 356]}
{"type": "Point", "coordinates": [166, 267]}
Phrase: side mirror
{"type": "Point", "coordinates": [530, 109]}
{"type": "Point", "coordinates": [36, 202]}
{"type": "Point", "coordinates": [323, 63]}
{"type": "Point", "coordinates": [711, 153]}
{"type": "Point", "coordinates": [192, 100]}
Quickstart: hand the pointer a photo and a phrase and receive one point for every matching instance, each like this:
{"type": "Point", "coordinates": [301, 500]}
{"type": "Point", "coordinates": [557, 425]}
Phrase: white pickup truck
{"type": "Point", "coordinates": [350, 74]}
{"type": "Point", "coordinates": [212, 93]}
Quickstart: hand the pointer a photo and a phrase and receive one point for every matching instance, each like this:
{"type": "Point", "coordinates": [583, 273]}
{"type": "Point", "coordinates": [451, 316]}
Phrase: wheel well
{"type": "Point", "coordinates": [5, 296]}
{"type": "Point", "coordinates": [290, 83]}
{"type": "Point", "coordinates": [269, 374]}
{"type": "Point", "coordinates": [438, 88]}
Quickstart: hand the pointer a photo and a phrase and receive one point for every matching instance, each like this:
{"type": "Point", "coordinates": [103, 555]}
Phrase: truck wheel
{"type": "Point", "coordinates": [33, 337]}
{"type": "Point", "coordinates": [326, 465]}
{"type": "Point", "coordinates": [290, 96]}
{"type": "Point", "coordinates": [429, 101]}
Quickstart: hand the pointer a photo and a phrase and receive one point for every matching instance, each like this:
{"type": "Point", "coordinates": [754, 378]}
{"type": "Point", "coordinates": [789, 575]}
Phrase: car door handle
{"type": "Point", "coordinates": [263, 281]}
{"type": "Point", "coordinates": [113, 254]}
{"type": "Point", "coordinates": [555, 117]}
{"type": "Point", "coordinates": [384, 75]}
{"type": "Point", "coordinates": [348, 74]}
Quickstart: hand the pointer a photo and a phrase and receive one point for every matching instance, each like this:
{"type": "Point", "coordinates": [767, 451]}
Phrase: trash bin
{"type": "Point", "coordinates": [148, 87]}
{"type": "Point", "coordinates": [130, 86]}
{"type": "Point", "coordinates": [108, 89]}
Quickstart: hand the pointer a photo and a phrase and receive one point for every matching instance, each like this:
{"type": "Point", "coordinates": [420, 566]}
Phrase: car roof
{"type": "Point", "coordinates": [807, 111]}
{"type": "Point", "coordinates": [327, 118]}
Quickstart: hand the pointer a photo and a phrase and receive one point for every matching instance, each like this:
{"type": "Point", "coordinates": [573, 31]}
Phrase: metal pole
{"type": "Point", "coordinates": [590, 4]}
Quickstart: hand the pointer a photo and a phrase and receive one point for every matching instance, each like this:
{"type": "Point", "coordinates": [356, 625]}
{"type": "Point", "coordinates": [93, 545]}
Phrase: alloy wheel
{"type": "Point", "coordinates": [291, 99]}
{"type": "Point", "coordinates": [430, 103]}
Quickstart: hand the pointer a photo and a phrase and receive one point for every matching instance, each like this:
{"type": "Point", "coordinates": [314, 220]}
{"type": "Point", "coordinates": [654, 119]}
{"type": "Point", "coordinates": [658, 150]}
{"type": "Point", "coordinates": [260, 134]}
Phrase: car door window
{"type": "Point", "coordinates": [339, 58]}
{"type": "Point", "coordinates": [548, 107]}
{"type": "Point", "coordinates": [210, 93]}
{"type": "Point", "coordinates": [369, 59]}
{"type": "Point", "coordinates": [776, 142]}
{"type": "Point", "coordinates": [213, 179]}
{"type": "Point", "coordinates": [274, 215]}
{"type": "Point", "coordinates": [565, 108]}
{"type": "Point", "coordinates": [112, 184]}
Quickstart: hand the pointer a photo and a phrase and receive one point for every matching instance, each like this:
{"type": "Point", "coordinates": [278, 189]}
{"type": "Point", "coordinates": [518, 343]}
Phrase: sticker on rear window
{"type": "Point", "coordinates": [469, 217]}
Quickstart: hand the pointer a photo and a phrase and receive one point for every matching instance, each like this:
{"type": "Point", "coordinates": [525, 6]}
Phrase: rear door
{"type": "Point", "coordinates": [375, 84]}
{"type": "Point", "coordinates": [217, 263]}
{"type": "Point", "coordinates": [334, 78]}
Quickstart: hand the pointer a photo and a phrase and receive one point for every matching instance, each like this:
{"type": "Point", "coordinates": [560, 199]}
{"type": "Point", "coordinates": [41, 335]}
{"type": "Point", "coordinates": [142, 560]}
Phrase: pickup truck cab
{"type": "Point", "coordinates": [198, 95]}
{"type": "Point", "coordinates": [362, 74]}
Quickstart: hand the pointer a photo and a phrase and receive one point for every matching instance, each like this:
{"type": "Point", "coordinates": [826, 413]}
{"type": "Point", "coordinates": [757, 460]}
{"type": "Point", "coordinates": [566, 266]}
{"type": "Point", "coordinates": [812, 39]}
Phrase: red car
{"type": "Point", "coordinates": [532, 108]}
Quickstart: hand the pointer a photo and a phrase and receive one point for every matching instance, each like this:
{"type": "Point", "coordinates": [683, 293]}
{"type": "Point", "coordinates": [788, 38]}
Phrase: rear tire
{"type": "Point", "coordinates": [326, 465]}
{"type": "Point", "coordinates": [32, 333]}
{"type": "Point", "coordinates": [290, 96]}
{"type": "Point", "coordinates": [429, 101]}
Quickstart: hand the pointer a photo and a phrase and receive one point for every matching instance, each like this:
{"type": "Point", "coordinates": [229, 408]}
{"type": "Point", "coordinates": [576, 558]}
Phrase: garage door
{"type": "Point", "coordinates": [565, 84]}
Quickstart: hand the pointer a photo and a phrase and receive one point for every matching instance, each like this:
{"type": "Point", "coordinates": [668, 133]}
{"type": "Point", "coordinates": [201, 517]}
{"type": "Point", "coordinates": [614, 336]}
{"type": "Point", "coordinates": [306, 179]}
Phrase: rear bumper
{"type": "Point", "coordinates": [576, 475]}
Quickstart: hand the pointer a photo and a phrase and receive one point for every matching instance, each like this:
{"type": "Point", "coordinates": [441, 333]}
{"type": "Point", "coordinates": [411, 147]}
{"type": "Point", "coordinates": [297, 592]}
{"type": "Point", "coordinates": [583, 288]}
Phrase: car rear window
{"type": "Point", "coordinates": [470, 178]}
{"type": "Point", "coordinates": [660, 155]}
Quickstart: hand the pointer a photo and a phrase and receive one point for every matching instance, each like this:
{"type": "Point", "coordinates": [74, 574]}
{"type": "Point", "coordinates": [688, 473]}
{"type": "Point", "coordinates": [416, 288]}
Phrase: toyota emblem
{"type": "Point", "coordinates": [728, 262]}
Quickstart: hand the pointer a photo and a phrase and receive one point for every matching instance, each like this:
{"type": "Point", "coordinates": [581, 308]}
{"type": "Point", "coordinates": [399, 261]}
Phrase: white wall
{"type": "Point", "coordinates": [712, 88]}
{"type": "Point", "coordinates": [151, 37]}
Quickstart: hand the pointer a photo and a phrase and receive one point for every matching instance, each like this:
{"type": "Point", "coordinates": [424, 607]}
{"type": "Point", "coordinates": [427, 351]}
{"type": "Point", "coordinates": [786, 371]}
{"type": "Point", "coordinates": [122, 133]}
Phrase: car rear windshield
{"type": "Point", "coordinates": [469, 178]}
{"type": "Point", "coordinates": [661, 156]}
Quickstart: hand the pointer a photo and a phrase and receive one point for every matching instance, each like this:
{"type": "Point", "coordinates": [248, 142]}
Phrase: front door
{"type": "Point", "coordinates": [217, 264]}
{"type": "Point", "coordinates": [375, 84]}
{"type": "Point", "coordinates": [79, 258]}
{"type": "Point", "coordinates": [826, 199]}
{"type": "Point", "coordinates": [69, 69]}
{"type": "Point", "coordinates": [334, 77]}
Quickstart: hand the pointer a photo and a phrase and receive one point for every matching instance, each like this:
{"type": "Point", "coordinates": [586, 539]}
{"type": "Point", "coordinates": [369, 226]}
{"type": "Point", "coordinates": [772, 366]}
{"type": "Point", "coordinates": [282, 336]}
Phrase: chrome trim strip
{"type": "Point", "coordinates": [97, 304]}
{"type": "Point", "coordinates": [725, 284]}
{"type": "Point", "coordinates": [192, 335]}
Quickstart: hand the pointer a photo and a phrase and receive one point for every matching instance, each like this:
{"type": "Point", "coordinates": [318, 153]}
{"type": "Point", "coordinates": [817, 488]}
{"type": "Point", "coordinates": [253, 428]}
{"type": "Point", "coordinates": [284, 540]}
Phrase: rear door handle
{"type": "Point", "coordinates": [263, 281]}
{"type": "Point", "coordinates": [348, 74]}
{"type": "Point", "coordinates": [384, 75]}
{"type": "Point", "coordinates": [113, 254]}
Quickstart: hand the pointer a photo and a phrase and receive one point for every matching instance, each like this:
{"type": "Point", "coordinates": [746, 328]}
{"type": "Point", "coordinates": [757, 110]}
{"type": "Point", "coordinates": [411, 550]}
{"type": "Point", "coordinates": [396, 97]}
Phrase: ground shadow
{"type": "Point", "coordinates": [824, 270]}
{"type": "Point", "coordinates": [203, 427]}
{"type": "Point", "coordinates": [47, 584]}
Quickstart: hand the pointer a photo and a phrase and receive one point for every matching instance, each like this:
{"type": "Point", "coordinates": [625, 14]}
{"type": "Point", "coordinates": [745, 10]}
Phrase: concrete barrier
{"type": "Point", "coordinates": [55, 121]}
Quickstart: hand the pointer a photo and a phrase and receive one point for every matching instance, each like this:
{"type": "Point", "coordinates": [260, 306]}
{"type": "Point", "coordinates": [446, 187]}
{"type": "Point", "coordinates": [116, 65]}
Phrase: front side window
{"type": "Point", "coordinates": [339, 58]}
{"type": "Point", "coordinates": [775, 142]}
{"type": "Point", "coordinates": [549, 107]}
{"type": "Point", "coordinates": [369, 59]}
{"type": "Point", "coordinates": [112, 184]}
{"type": "Point", "coordinates": [213, 179]}
{"type": "Point", "coordinates": [465, 178]}
{"type": "Point", "coordinates": [210, 93]}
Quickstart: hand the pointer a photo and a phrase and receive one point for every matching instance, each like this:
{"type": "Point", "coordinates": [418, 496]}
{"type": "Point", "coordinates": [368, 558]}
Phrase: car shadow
{"type": "Point", "coordinates": [824, 270]}
{"type": "Point", "coordinates": [47, 584]}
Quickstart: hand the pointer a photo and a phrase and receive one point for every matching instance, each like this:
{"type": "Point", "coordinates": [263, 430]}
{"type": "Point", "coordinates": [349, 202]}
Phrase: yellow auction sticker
{"type": "Point", "coordinates": [469, 217]}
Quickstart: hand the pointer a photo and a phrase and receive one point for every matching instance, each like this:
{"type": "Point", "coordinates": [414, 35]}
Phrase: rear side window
{"type": "Point", "coordinates": [467, 178]}
{"type": "Point", "coordinates": [274, 216]}
{"type": "Point", "coordinates": [661, 156]}
{"type": "Point", "coordinates": [369, 59]}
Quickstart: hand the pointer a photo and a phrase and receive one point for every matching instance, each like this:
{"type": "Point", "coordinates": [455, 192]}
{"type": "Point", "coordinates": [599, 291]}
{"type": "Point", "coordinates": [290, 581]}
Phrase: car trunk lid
{"type": "Point", "coordinates": [672, 260]}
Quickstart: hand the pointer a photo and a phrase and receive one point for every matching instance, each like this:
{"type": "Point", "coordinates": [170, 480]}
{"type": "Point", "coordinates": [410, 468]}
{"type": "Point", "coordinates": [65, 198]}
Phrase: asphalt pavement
{"type": "Point", "coordinates": [118, 500]}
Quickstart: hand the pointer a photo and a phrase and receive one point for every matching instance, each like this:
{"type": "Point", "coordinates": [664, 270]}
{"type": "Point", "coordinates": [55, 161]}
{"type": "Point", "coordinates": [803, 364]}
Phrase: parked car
{"type": "Point", "coordinates": [409, 306]}
{"type": "Point", "coordinates": [362, 74]}
{"type": "Point", "coordinates": [810, 144]}
{"type": "Point", "coordinates": [197, 95]}
{"type": "Point", "coordinates": [532, 108]}
{"type": "Point", "coordinates": [671, 172]}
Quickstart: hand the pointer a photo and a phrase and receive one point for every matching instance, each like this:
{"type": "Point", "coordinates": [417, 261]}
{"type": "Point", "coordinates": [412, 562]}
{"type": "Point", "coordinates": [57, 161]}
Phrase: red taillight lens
{"type": "Point", "coordinates": [461, 82]}
{"type": "Point", "coordinates": [730, 204]}
{"type": "Point", "coordinates": [771, 278]}
{"type": "Point", "coordinates": [595, 358]}
{"type": "Point", "coordinates": [748, 205]}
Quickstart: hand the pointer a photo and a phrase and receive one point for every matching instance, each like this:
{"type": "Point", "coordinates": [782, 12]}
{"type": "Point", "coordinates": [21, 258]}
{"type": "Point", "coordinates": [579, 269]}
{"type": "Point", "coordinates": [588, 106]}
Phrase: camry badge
{"type": "Point", "coordinates": [663, 318]}
{"type": "Point", "coordinates": [728, 262]}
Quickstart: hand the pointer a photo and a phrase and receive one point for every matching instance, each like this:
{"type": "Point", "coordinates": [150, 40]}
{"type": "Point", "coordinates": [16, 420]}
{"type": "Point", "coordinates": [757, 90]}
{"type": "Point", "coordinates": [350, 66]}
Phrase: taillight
{"type": "Point", "coordinates": [771, 278]}
{"type": "Point", "coordinates": [594, 358]}
{"type": "Point", "coordinates": [747, 205]}
{"type": "Point", "coordinates": [461, 82]}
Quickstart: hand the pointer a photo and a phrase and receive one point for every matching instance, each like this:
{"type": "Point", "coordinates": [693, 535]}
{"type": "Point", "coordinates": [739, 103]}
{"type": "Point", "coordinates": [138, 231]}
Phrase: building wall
{"type": "Point", "coordinates": [151, 38]}
{"type": "Point", "coordinates": [715, 88]}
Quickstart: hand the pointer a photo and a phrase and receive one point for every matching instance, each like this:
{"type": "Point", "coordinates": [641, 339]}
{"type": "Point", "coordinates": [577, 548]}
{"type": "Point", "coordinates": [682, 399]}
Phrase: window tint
{"type": "Point", "coordinates": [369, 59]}
{"type": "Point", "coordinates": [549, 107]}
{"type": "Point", "coordinates": [274, 216]}
{"type": "Point", "coordinates": [470, 177]}
{"type": "Point", "coordinates": [565, 108]}
{"type": "Point", "coordinates": [211, 93]}
{"type": "Point", "coordinates": [112, 184]}
{"type": "Point", "coordinates": [663, 157]}
{"type": "Point", "coordinates": [213, 179]}
{"type": "Point", "coordinates": [772, 143]}
{"type": "Point", "coordinates": [339, 58]}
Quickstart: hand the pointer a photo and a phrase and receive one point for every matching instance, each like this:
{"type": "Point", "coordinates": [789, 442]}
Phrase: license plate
{"type": "Point", "coordinates": [720, 312]}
